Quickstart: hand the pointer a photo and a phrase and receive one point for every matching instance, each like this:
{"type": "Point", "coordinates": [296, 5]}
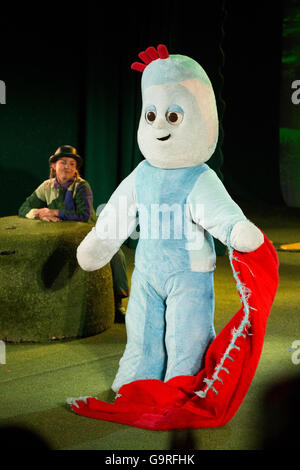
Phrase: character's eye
{"type": "Point", "coordinates": [150, 114]}
{"type": "Point", "coordinates": [174, 115]}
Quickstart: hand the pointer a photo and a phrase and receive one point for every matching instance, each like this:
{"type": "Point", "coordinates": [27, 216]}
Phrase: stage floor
{"type": "Point", "coordinates": [37, 379]}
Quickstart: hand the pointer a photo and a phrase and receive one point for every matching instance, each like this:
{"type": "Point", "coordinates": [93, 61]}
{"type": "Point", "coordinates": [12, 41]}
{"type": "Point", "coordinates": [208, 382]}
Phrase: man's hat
{"type": "Point", "coordinates": [66, 151]}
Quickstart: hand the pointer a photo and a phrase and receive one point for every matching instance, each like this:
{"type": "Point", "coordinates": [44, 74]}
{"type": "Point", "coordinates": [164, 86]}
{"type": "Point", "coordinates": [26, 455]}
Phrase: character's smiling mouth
{"type": "Point", "coordinates": [164, 138]}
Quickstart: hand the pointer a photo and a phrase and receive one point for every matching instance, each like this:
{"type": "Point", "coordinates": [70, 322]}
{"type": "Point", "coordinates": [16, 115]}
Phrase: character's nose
{"type": "Point", "coordinates": [159, 123]}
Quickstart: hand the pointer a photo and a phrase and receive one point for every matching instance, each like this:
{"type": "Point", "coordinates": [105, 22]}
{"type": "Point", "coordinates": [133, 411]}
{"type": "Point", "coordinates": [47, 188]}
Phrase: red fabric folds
{"type": "Point", "coordinates": [157, 405]}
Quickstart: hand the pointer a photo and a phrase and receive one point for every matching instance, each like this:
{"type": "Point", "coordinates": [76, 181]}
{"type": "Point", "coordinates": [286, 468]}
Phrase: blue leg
{"type": "Point", "coordinates": [189, 317]}
{"type": "Point", "coordinates": [145, 353]}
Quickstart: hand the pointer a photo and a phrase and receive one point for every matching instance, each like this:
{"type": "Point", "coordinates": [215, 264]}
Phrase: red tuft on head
{"type": "Point", "coordinates": [152, 52]}
{"type": "Point", "coordinates": [162, 51]}
{"type": "Point", "coordinates": [138, 66]}
{"type": "Point", "coordinates": [149, 55]}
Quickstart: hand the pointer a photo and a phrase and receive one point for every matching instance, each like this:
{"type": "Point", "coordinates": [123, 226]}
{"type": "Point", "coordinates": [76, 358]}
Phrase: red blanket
{"type": "Point", "coordinates": [212, 397]}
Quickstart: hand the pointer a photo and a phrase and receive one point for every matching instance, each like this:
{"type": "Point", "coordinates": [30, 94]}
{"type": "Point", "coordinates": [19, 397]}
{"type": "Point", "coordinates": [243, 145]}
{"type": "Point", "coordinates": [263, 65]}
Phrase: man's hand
{"type": "Point", "coordinates": [45, 212]}
{"type": "Point", "coordinates": [48, 215]}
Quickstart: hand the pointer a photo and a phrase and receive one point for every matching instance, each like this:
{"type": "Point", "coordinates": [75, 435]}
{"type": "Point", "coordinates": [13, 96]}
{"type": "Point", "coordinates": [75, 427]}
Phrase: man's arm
{"type": "Point", "coordinates": [31, 204]}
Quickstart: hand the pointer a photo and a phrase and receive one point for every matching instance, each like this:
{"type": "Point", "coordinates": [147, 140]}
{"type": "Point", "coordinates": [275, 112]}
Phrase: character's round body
{"type": "Point", "coordinates": [180, 205]}
{"type": "Point", "coordinates": [169, 318]}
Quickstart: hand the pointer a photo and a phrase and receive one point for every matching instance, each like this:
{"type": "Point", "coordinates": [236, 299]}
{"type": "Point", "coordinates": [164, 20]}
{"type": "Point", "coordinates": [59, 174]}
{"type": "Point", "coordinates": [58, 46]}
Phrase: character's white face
{"type": "Point", "coordinates": [174, 132]}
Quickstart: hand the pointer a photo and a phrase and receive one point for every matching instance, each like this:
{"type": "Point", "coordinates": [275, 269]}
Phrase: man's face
{"type": "Point", "coordinates": [65, 169]}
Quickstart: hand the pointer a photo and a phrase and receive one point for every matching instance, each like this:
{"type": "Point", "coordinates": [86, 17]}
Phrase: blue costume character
{"type": "Point", "coordinates": [180, 205]}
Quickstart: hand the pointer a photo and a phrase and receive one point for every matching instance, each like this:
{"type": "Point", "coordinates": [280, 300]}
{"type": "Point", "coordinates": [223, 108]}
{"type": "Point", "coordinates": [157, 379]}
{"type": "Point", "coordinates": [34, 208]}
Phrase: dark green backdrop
{"type": "Point", "coordinates": [68, 81]}
{"type": "Point", "coordinates": [290, 105]}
